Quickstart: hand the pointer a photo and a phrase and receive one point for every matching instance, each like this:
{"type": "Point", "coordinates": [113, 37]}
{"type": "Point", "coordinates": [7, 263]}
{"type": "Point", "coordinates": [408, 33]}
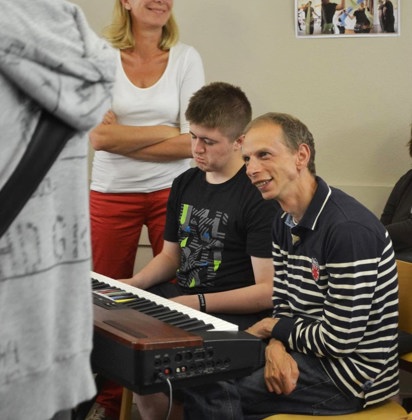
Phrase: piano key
{"type": "Point", "coordinates": [148, 307]}
{"type": "Point", "coordinates": [100, 282]}
{"type": "Point", "coordinates": [156, 312]}
{"type": "Point", "coordinates": [187, 323]}
{"type": "Point", "coordinates": [141, 306]}
{"type": "Point", "coordinates": [118, 293]}
{"type": "Point", "coordinates": [204, 327]}
{"type": "Point", "coordinates": [124, 300]}
{"type": "Point", "coordinates": [173, 315]}
{"type": "Point", "coordinates": [137, 301]}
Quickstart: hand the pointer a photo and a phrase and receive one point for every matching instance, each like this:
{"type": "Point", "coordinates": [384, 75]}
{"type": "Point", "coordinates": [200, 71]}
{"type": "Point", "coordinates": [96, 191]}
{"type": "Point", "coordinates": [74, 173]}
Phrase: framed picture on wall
{"type": "Point", "coordinates": [347, 18]}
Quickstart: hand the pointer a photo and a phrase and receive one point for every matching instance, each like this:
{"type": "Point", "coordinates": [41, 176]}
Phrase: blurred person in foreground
{"type": "Point", "coordinates": [51, 60]}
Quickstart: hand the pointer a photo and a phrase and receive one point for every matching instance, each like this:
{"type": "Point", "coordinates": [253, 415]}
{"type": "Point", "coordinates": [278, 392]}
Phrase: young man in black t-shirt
{"type": "Point", "coordinates": [218, 229]}
{"type": "Point", "coordinates": [217, 235]}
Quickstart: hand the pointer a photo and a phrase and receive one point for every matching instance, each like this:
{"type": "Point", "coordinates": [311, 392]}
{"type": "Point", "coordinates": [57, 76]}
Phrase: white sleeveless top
{"type": "Point", "coordinates": [163, 103]}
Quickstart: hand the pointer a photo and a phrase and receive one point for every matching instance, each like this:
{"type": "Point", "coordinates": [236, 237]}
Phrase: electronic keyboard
{"type": "Point", "coordinates": [143, 341]}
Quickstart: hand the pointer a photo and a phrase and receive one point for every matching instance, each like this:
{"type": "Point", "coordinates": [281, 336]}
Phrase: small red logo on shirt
{"type": "Point", "coordinates": [315, 269]}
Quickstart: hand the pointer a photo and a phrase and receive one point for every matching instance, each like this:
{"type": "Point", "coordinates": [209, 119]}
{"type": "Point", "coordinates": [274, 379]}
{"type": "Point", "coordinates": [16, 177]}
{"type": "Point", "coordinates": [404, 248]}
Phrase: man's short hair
{"type": "Point", "coordinates": [295, 133]}
{"type": "Point", "coordinates": [220, 105]}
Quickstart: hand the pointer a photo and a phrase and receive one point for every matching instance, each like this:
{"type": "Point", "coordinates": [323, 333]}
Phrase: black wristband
{"type": "Point", "coordinates": [202, 302]}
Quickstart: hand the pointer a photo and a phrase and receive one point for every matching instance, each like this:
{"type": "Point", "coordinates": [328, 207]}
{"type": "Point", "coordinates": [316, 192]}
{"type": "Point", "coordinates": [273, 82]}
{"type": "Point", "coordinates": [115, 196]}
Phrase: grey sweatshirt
{"type": "Point", "coordinates": [49, 58]}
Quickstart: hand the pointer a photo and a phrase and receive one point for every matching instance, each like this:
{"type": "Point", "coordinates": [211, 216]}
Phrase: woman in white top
{"type": "Point", "coordinates": [143, 143]}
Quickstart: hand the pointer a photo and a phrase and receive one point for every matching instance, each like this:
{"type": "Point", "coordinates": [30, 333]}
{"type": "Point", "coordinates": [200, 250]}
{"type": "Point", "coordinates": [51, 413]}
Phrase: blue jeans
{"type": "Point", "coordinates": [248, 398]}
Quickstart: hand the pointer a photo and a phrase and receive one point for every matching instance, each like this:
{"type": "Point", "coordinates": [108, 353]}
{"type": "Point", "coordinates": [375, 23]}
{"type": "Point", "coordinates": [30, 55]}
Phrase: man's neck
{"type": "Point", "coordinates": [297, 204]}
{"type": "Point", "coordinates": [227, 173]}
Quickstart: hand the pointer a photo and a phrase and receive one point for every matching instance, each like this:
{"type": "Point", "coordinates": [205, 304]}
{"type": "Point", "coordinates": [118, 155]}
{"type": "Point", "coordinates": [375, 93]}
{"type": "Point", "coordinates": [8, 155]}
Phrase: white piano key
{"type": "Point", "coordinates": [218, 324]}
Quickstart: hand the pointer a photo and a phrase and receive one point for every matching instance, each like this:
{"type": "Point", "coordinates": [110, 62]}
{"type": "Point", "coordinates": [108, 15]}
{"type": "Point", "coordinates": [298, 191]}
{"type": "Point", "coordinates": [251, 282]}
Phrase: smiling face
{"type": "Point", "coordinates": [270, 164]}
{"type": "Point", "coordinates": [149, 12]}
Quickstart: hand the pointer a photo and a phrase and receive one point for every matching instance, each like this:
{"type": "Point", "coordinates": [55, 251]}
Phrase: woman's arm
{"type": "Point", "coordinates": [175, 148]}
{"type": "Point", "coordinates": [125, 139]}
{"type": "Point", "coordinates": [161, 143]}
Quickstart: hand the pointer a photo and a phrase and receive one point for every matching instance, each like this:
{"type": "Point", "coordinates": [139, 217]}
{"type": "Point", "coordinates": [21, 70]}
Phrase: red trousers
{"type": "Point", "coordinates": [116, 225]}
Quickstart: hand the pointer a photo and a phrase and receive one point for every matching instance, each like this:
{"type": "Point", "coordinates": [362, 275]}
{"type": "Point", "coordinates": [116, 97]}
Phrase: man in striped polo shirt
{"type": "Point", "coordinates": [332, 339]}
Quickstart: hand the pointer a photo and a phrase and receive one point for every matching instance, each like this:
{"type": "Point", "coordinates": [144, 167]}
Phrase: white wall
{"type": "Point", "coordinates": [354, 94]}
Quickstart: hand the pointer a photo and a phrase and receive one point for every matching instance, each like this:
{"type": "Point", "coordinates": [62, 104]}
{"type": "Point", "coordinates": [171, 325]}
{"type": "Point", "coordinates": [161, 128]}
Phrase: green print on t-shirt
{"type": "Point", "coordinates": [202, 234]}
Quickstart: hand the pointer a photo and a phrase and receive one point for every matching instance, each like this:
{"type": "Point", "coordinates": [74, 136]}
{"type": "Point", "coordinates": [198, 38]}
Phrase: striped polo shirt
{"type": "Point", "coordinates": [336, 293]}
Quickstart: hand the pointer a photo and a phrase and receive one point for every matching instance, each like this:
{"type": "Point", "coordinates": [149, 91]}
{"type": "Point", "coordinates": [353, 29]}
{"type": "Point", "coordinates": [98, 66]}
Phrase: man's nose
{"type": "Point", "coordinates": [198, 146]}
{"type": "Point", "coordinates": [252, 167]}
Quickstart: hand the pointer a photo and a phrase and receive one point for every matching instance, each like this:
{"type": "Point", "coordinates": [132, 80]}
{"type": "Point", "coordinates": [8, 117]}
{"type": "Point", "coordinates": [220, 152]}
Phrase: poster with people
{"type": "Point", "coordinates": [337, 18]}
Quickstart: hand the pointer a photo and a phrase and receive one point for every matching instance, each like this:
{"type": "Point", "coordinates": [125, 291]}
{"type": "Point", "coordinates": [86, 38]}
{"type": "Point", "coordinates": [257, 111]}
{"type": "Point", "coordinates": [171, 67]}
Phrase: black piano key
{"type": "Point", "coordinates": [140, 300]}
{"type": "Point", "coordinates": [170, 313]}
{"type": "Point", "coordinates": [178, 320]}
{"type": "Point", "coordinates": [118, 293]}
{"type": "Point", "coordinates": [160, 312]}
{"type": "Point", "coordinates": [96, 283]}
{"type": "Point", "coordinates": [174, 317]}
{"type": "Point", "coordinates": [182, 322]}
{"type": "Point", "coordinates": [100, 285]}
{"type": "Point", "coordinates": [202, 327]}
{"type": "Point", "coordinates": [155, 312]}
{"type": "Point", "coordinates": [187, 322]}
{"type": "Point", "coordinates": [145, 306]}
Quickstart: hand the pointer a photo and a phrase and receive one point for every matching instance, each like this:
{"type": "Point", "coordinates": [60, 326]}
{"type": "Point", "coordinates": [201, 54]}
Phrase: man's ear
{"type": "Point", "coordinates": [239, 142]}
{"type": "Point", "coordinates": [302, 156]}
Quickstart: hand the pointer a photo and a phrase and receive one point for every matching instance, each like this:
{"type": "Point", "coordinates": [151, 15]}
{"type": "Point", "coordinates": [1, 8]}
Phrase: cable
{"type": "Point", "coordinates": [163, 377]}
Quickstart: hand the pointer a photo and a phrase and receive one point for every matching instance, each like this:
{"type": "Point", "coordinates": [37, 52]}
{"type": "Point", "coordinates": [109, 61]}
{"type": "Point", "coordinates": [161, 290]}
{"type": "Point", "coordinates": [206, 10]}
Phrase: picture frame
{"type": "Point", "coordinates": [347, 18]}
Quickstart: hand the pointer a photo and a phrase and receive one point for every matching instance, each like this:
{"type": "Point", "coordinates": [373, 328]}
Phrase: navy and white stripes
{"type": "Point", "coordinates": [335, 292]}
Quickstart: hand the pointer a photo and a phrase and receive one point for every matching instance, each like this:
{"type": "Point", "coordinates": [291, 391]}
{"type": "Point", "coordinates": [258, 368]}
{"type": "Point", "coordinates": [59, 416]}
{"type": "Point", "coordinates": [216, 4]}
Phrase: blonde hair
{"type": "Point", "coordinates": [119, 33]}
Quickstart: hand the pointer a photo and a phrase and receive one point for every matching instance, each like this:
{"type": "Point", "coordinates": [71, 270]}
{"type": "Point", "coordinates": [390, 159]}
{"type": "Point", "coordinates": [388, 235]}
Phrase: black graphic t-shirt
{"type": "Point", "coordinates": [219, 227]}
